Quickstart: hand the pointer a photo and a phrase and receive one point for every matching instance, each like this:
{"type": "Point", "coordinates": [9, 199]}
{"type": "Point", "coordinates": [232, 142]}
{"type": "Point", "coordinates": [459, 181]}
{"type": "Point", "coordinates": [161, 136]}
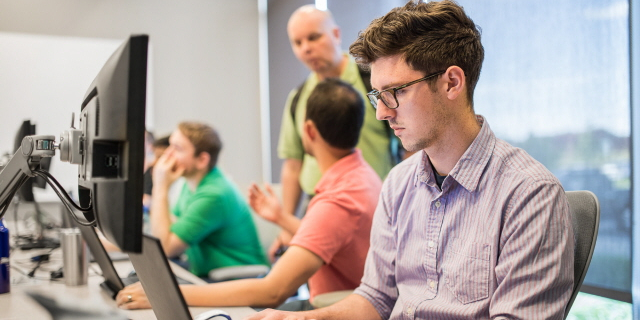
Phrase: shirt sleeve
{"type": "Point", "coordinates": [534, 271]}
{"type": "Point", "coordinates": [378, 284]}
{"type": "Point", "coordinates": [290, 142]}
{"type": "Point", "coordinates": [202, 216]}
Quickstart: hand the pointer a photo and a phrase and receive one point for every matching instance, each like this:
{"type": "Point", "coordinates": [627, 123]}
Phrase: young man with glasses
{"type": "Point", "coordinates": [469, 227]}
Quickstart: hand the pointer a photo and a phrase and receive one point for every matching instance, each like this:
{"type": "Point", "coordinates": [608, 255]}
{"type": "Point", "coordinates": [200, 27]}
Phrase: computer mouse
{"type": "Point", "coordinates": [214, 314]}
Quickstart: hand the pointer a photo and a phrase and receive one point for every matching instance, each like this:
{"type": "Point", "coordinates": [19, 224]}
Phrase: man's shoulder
{"type": "Point", "coordinates": [517, 163]}
{"type": "Point", "coordinates": [215, 185]}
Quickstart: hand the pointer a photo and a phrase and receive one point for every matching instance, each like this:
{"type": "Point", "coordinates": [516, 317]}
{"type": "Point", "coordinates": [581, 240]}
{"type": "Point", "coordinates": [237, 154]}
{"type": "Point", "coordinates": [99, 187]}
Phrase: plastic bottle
{"type": "Point", "coordinates": [5, 280]}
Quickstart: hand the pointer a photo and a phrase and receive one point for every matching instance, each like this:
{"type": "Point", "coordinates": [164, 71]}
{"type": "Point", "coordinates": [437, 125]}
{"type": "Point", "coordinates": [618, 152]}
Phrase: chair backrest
{"type": "Point", "coordinates": [585, 215]}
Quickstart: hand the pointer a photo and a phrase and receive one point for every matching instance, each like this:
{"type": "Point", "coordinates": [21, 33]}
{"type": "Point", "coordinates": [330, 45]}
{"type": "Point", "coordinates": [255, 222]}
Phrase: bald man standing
{"type": "Point", "coordinates": [315, 41]}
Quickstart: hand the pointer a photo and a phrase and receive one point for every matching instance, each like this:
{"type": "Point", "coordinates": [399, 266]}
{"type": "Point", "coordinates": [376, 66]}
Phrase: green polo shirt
{"type": "Point", "coordinates": [215, 221]}
{"type": "Point", "coordinates": [374, 139]}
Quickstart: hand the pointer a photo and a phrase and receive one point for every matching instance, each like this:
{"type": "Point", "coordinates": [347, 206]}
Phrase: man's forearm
{"type": "Point", "coordinates": [289, 223]}
{"type": "Point", "coordinates": [352, 307]}
{"type": "Point", "coordinates": [245, 292]}
{"type": "Point", "coordinates": [159, 215]}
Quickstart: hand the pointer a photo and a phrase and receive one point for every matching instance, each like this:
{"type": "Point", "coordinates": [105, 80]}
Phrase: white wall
{"type": "Point", "coordinates": [205, 63]}
{"type": "Point", "coordinates": [31, 89]}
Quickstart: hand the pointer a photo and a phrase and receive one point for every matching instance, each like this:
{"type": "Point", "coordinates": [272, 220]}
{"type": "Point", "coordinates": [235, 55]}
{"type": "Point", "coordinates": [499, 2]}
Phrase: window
{"type": "Point", "coordinates": [555, 82]}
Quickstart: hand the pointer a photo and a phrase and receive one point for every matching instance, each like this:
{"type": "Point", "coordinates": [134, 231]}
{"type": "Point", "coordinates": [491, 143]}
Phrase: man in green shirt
{"type": "Point", "coordinates": [213, 224]}
{"type": "Point", "coordinates": [315, 41]}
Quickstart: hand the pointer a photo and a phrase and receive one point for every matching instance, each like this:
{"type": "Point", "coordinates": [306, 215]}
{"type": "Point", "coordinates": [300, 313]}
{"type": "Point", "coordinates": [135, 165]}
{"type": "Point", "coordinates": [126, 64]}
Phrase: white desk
{"type": "Point", "coordinates": [17, 305]}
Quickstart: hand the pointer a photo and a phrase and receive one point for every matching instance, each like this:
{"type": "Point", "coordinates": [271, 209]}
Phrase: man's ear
{"type": "Point", "coordinates": [202, 160]}
{"type": "Point", "coordinates": [336, 33]}
{"type": "Point", "coordinates": [456, 82]}
{"type": "Point", "coordinates": [310, 130]}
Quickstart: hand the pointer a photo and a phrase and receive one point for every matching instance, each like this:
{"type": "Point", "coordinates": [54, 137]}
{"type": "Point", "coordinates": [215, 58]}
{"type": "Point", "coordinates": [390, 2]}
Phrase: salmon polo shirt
{"type": "Point", "coordinates": [338, 223]}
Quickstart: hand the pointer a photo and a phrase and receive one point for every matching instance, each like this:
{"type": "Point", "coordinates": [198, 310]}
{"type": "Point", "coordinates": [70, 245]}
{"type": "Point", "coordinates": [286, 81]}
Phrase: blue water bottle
{"type": "Point", "coordinates": [5, 281]}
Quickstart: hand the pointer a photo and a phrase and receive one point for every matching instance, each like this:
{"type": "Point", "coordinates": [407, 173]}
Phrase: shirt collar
{"type": "Point", "coordinates": [470, 166]}
{"type": "Point", "coordinates": [339, 170]}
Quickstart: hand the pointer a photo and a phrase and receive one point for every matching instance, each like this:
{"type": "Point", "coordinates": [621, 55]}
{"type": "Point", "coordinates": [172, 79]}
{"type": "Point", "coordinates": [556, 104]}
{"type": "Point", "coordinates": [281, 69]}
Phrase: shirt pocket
{"type": "Point", "coordinates": [466, 268]}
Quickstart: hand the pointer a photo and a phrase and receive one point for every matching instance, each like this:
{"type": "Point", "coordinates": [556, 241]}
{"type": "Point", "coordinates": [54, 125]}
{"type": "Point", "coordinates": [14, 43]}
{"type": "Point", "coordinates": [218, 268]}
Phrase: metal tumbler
{"type": "Point", "coordinates": [74, 257]}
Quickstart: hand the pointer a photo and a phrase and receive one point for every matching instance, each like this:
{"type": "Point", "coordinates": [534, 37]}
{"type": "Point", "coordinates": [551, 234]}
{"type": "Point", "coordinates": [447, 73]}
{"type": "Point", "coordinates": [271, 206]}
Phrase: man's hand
{"type": "Point", "coordinates": [271, 314]}
{"type": "Point", "coordinates": [281, 242]}
{"type": "Point", "coordinates": [166, 170]}
{"type": "Point", "coordinates": [266, 204]}
{"type": "Point", "coordinates": [133, 297]}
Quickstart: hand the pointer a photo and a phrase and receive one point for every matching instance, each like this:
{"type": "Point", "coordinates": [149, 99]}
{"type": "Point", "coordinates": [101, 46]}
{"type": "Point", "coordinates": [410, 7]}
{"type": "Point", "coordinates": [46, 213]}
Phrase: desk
{"type": "Point", "coordinates": [17, 305]}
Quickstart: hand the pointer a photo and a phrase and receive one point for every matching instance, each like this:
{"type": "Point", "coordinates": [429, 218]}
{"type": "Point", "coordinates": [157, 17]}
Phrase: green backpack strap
{"type": "Point", "coordinates": [294, 101]}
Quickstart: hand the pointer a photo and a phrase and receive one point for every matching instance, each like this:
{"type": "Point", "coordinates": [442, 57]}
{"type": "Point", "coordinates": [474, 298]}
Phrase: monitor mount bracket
{"type": "Point", "coordinates": [27, 159]}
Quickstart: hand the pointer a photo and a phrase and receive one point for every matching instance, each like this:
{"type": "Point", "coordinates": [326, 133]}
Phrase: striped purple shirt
{"type": "Point", "coordinates": [495, 243]}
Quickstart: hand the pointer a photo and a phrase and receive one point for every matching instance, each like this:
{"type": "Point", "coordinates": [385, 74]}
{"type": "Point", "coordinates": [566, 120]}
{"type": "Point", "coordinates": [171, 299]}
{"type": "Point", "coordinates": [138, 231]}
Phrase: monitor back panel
{"type": "Point", "coordinates": [158, 281]}
{"type": "Point", "coordinates": [112, 282]}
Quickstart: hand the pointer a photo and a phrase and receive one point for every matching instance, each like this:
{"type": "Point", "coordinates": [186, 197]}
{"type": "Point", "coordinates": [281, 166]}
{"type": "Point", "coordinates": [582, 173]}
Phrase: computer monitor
{"type": "Point", "coordinates": [25, 193]}
{"type": "Point", "coordinates": [112, 121]}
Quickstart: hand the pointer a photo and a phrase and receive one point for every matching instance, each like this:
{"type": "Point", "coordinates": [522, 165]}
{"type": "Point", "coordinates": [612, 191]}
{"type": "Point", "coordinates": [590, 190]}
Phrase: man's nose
{"type": "Point", "coordinates": [305, 46]}
{"type": "Point", "coordinates": [383, 112]}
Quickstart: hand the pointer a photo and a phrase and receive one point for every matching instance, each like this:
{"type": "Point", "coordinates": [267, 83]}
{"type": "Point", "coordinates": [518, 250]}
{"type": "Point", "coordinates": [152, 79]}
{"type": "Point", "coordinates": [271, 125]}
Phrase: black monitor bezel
{"type": "Point", "coordinates": [116, 197]}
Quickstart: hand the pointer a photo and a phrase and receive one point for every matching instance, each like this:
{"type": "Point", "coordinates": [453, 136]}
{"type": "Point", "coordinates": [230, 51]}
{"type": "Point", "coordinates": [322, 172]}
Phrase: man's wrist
{"type": "Point", "coordinates": [288, 223]}
{"type": "Point", "coordinates": [281, 220]}
{"type": "Point", "coordinates": [159, 189]}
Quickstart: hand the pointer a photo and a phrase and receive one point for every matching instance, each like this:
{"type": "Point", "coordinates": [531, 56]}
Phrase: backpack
{"type": "Point", "coordinates": [395, 148]}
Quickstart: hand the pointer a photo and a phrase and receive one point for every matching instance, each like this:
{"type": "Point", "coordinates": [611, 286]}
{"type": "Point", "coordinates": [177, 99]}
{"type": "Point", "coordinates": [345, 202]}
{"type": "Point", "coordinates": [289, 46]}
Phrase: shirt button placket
{"type": "Point", "coordinates": [409, 312]}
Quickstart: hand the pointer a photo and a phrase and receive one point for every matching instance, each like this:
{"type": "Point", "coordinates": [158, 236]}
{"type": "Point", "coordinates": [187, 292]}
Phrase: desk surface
{"type": "Point", "coordinates": [17, 305]}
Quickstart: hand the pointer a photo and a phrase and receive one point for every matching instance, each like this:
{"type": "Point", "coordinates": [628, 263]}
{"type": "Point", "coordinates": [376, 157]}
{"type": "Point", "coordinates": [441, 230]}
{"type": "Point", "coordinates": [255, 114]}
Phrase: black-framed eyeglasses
{"type": "Point", "coordinates": [388, 96]}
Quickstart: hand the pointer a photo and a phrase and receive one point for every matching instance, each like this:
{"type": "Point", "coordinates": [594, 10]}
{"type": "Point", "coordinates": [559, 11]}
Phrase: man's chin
{"type": "Point", "coordinates": [189, 173]}
{"type": "Point", "coordinates": [317, 67]}
{"type": "Point", "coordinates": [411, 147]}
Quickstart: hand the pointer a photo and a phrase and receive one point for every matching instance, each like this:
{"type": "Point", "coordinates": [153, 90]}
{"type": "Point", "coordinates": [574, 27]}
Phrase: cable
{"type": "Point", "coordinates": [62, 194]}
{"type": "Point", "coordinates": [65, 198]}
{"type": "Point", "coordinates": [42, 258]}
{"type": "Point", "coordinates": [10, 196]}
{"type": "Point", "coordinates": [57, 187]}
{"type": "Point", "coordinates": [22, 272]}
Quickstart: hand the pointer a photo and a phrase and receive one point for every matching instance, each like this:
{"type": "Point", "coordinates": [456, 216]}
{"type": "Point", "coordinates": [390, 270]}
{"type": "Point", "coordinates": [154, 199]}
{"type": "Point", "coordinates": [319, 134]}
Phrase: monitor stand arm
{"type": "Point", "coordinates": [27, 158]}
{"type": "Point", "coordinates": [21, 166]}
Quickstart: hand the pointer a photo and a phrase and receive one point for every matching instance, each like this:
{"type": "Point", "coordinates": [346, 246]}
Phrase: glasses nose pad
{"type": "Point", "coordinates": [373, 100]}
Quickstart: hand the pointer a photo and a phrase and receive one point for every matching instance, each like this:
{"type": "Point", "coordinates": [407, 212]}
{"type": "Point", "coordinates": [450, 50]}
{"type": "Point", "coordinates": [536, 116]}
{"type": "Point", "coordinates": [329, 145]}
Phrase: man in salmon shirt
{"type": "Point", "coordinates": [330, 244]}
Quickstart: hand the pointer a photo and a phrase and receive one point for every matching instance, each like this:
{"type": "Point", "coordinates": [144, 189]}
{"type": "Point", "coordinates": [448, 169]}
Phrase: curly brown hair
{"type": "Point", "coordinates": [431, 37]}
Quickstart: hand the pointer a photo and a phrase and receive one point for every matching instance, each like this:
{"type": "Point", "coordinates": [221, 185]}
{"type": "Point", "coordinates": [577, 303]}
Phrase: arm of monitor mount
{"type": "Point", "coordinates": [19, 168]}
{"type": "Point", "coordinates": [23, 163]}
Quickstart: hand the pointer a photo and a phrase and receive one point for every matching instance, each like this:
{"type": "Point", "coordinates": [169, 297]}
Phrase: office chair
{"type": "Point", "coordinates": [238, 272]}
{"type": "Point", "coordinates": [585, 216]}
